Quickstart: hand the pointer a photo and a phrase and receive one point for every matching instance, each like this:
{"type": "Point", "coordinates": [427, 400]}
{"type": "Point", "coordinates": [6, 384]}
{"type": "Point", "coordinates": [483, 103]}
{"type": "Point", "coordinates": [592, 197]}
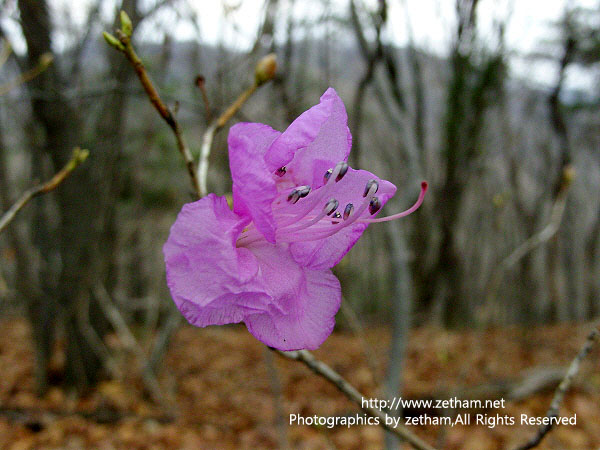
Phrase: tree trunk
{"type": "Point", "coordinates": [41, 310]}
{"type": "Point", "coordinates": [85, 203]}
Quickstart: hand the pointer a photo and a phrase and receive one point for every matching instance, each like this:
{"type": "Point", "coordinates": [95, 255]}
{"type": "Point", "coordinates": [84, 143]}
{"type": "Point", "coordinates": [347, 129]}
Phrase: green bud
{"type": "Point", "coordinates": [498, 200]}
{"type": "Point", "coordinates": [126, 26]}
{"type": "Point", "coordinates": [80, 154]}
{"type": "Point", "coordinates": [265, 69]}
{"type": "Point", "coordinates": [113, 41]}
{"type": "Point", "coordinates": [46, 59]}
{"type": "Point", "coordinates": [568, 175]}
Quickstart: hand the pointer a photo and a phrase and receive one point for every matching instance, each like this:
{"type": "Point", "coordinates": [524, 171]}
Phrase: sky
{"type": "Point", "coordinates": [431, 21]}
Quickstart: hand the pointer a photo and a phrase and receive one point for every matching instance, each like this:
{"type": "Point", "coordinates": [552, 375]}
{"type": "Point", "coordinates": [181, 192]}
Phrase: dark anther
{"type": "Point", "coordinates": [348, 210]}
{"type": "Point", "coordinates": [343, 170]}
{"type": "Point", "coordinates": [337, 215]}
{"type": "Point", "coordinates": [327, 175]}
{"type": "Point", "coordinates": [303, 191]}
{"type": "Point", "coordinates": [371, 183]}
{"type": "Point", "coordinates": [294, 196]}
{"type": "Point", "coordinates": [281, 171]}
{"type": "Point", "coordinates": [298, 193]}
{"type": "Point", "coordinates": [331, 206]}
{"type": "Point", "coordinates": [374, 205]}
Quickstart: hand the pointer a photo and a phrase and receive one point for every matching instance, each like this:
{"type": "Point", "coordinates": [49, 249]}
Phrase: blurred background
{"type": "Point", "coordinates": [494, 103]}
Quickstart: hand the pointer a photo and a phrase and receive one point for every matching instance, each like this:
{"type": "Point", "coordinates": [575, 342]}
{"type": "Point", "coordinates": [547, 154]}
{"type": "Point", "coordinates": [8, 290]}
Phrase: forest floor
{"type": "Point", "coordinates": [221, 383]}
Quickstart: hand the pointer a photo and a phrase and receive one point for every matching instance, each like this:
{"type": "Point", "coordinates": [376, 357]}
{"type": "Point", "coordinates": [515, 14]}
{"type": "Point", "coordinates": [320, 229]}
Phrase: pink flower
{"type": "Point", "coordinates": [298, 209]}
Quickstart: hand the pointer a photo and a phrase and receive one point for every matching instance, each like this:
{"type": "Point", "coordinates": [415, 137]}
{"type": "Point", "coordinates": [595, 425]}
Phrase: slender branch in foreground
{"type": "Point", "coordinates": [123, 44]}
{"type": "Point", "coordinates": [78, 157]}
{"type": "Point", "coordinates": [264, 71]}
{"type": "Point", "coordinates": [562, 389]}
{"type": "Point", "coordinates": [354, 395]}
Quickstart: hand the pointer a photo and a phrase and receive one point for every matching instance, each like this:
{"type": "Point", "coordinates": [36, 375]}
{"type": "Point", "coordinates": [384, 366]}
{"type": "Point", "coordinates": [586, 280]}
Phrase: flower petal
{"type": "Point", "coordinates": [253, 184]}
{"type": "Point", "coordinates": [306, 303]}
{"type": "Point", "coordinates": [326, 253]}
{"type": "Point", "coordinates": [211, 281]}
{"type": "Point", "coordinates": [317, 140]}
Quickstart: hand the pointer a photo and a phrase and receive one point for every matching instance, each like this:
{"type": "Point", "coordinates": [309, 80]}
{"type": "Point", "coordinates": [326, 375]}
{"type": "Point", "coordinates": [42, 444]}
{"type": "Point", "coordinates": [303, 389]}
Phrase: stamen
{"type": "Point", "coordinates": [292, 228]}
{"type": "Point", "coordinates": [281, 171]}
{"type": "Point", "coordinates": [294, 196]}
{"type": "Point", "coordinates": [318, 197]}
{"type": "Point", "coordinates": [348, 210]}
{"type": "Point", "coordinates": [304, 191]}
{"type": "Point", "coordinates": [328, 209]}
{"type": "Point", "coordinates": [323, 233]}
{"type": "Point", "coordinates": [331, 206]}
{"type": "Point", "coordinates": [343, 171]}
{"type": "Point", "coordinates": [410, 210]}
{"type": "Point", "coordinates": [370, 184]}
{"type": "Point", "coordinates": [298, 193]}
{"type": "Point", "coordinates": [374, 205]}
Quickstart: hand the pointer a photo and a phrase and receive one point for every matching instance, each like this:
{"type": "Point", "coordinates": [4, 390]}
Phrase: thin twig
{"type": "Point", "coordinates": [562, 389]}
{"type": "Point", "coordinates": [161, 342]}
{"type": "Point", "coordinates": [127, 338]}
{"type": "Point", "coordinates": [6, 51]}
{"type": "Point", "coordinates": [533, 242]}
{"type": "Point", "coordinates": [212, 130]}
{"type": "Point", "coordinates": [263, 72]}
{"type": "Point", "coordinates": [207, 140]}
{"type": "Point", "coordinates": [235, 106]}
{"type": "Point", "coordinates": [78, 157]}
{"type": "Point", "coordinates": [42, 65]}
{"type": "Point", "coordinates": [359, 331]}
{"type": "Point", "coordinates": [201, 84]}
{"type": "Point", "coordinates": [354, 395]}
{"type": "Point", "coordinates": [124, 46]}
{"type": "Point", "coordinates": [95, 341]}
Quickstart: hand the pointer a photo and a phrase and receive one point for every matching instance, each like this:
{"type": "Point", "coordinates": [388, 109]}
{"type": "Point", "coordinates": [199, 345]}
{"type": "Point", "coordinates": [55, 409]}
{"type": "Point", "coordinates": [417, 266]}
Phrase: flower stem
{"type": "Point", "coordinates": [124, 46]}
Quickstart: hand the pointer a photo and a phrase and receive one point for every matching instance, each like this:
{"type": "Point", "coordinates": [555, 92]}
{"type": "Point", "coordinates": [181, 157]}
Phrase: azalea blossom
{"type": "Point", "coordinates": [298, 208]}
